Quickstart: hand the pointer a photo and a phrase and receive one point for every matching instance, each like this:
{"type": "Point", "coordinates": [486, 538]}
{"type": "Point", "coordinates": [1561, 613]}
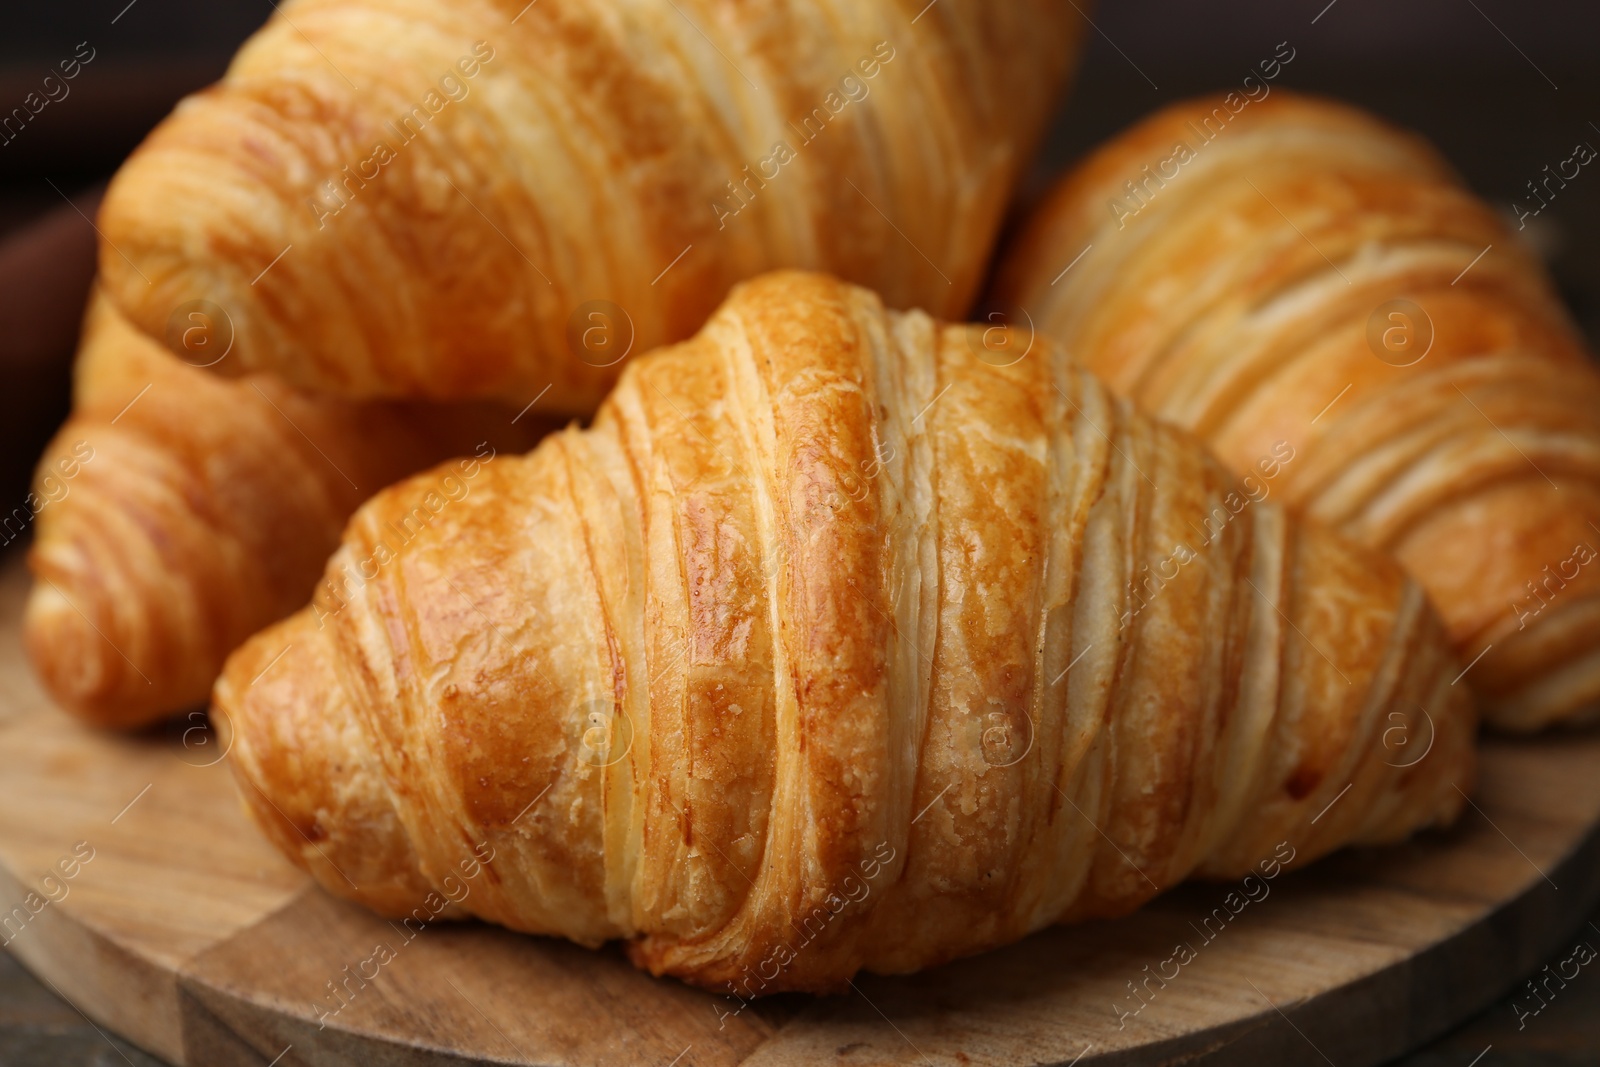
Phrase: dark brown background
{"type": "Point", "coordinates": [1503, 87]}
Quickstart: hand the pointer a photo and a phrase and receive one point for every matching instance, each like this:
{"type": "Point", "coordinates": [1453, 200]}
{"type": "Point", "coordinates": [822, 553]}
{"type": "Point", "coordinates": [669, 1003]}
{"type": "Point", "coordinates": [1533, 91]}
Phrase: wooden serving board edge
{"type": "Point", "coordinates": [1474, 967]}
{"type": "Point", "coordinates": [1467, 973]}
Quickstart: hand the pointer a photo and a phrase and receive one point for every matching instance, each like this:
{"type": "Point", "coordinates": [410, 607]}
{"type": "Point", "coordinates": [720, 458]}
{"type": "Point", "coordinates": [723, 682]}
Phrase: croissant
{"type": "Point", "coordinates": [1289, 269]}
{"type": "Point", "coordinates": [176, 513]}
{"type": "Point", "coordinates": [840, 641]}
{"type": "Point", "coordinates": [421, 198]}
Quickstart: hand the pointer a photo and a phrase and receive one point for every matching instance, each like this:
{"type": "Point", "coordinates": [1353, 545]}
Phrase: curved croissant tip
{"type": "Point", "coordinates": [285, 722]}
{"type": "Point", "coordinates": [75, 660]}
{"type": "Point", "coordinates": [271, 732]}
{"type": "Point", "coordinates": [96, 640]}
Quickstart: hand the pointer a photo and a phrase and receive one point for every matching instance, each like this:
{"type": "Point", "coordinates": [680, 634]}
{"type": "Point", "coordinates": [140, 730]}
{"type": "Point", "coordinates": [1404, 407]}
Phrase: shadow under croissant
{"type": "Point", "coordinates": [1347, 930]}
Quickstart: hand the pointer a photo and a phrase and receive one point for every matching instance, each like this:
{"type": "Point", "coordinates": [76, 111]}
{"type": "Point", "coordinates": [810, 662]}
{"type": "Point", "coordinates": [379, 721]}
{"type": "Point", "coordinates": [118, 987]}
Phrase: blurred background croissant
{"type": "Point", "coordinates": [340, 234]}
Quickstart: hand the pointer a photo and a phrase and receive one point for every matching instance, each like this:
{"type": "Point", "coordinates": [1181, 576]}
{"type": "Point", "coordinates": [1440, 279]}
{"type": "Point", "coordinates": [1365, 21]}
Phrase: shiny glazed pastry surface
{"type": "Point", "coordinates": [842, 640]}
{"type": "Point", "coordinates": [490, 198]}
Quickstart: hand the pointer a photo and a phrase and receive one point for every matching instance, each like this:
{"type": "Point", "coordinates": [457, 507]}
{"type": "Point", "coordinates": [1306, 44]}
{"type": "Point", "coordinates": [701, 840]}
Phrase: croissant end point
{"type": "Point", "coordinates": [288, 728]}
{"type": "Point", "coordinates": [75, 661]}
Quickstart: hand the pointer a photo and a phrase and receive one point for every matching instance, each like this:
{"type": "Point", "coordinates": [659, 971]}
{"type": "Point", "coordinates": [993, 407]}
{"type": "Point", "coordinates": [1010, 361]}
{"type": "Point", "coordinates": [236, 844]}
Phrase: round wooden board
{"type": "Point", "coordinates": [187, 934]}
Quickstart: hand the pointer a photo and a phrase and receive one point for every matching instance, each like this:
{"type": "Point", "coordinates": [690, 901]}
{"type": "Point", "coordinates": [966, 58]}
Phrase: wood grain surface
{"type": "Point", "coordinates": [190, 936]}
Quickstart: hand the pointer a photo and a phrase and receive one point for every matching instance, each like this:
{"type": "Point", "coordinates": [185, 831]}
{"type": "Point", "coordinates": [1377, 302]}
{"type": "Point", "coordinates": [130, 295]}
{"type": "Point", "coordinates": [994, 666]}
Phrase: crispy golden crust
{"type": "Point", "coordinates": [1245, 299]}
{"type": "Point", "coordinates": [827, 608]}
{"type": "Point", "coordinates": [181, 512]}
{"type": "Point", "coordinates": [588, 150]}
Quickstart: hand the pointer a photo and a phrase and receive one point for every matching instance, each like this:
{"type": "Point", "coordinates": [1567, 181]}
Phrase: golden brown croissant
{"type": "Point", "coordinates": [178, 512]}
{"type": "Point", "coordinates": [828, 606]}
{"type": "Point", "coordinates": [1311, 275]}
{"type": "Point", "coordinates": [492, 197]}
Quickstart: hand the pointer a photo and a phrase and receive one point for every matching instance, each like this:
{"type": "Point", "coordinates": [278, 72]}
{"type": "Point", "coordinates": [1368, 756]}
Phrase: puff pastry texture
{"type": "Point", "coordinates": [490, 198]}
{"type": "Point", "coordinates": [1310, 274]}
{"type": "Point", "coordinates": [834, 644]}
{"type": "Point", "coordinates": [180, 512]}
